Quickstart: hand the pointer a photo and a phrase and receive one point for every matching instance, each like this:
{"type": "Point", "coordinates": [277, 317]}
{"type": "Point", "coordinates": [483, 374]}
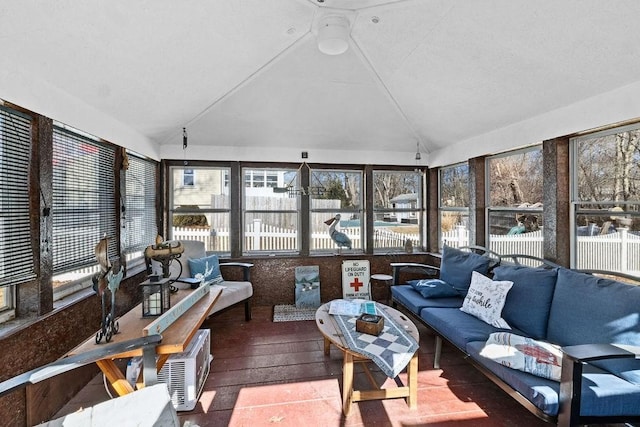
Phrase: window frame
{"type": "Point", "coordinates": [418, 209]}
{"type": "Point", "coordinates": [224, 170]}
{"type": "Point", "coordinates": [537, 212]}
{"type": "Point", "coordinates": [77, 275]}
{"type": "Point", "coordinates": [249, 171]}
{"type": "Point", "coordinates": [579, 207]}
{"type": "Point", "coordinates": [454, 209]}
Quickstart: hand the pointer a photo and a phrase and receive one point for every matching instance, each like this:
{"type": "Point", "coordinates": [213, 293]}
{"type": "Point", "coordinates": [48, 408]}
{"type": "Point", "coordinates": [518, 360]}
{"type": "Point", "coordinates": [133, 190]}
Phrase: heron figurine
{"type": "Point", "coordinates": [341, 239]}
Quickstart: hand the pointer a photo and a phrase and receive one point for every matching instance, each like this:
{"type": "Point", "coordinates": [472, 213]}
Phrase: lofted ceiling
{"type": "Point", "coordinates": [454, 78]}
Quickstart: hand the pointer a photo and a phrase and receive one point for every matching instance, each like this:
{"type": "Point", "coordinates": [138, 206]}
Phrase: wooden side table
{"type": "Point", "coordinates": [333, 335]}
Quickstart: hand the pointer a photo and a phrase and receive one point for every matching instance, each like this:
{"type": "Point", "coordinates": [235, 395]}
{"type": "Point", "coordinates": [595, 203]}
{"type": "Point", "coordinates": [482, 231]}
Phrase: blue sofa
{"type": "Point", "coordinates": [594, 320]}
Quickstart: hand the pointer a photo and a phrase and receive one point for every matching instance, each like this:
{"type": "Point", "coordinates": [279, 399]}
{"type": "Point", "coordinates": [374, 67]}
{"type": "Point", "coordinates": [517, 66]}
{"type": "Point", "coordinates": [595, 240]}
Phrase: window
{"type": "Point", "coordinates": [139, 216]}
{"type": "Point", "coordinates": [84, 208]}
{"type": "Point", "coordinates": [201, 212]}
{"type": "Point", "coordinates": [270, 214]}
{"type": "Point", "coordinates": [188, 178]}
{"type": "Point", "coordinates": [16, 259]}
{"type": "Point", "coordinates": [335, 192]}
{"type": "Point", "coordinates": [606, 200]}
{"type": "Point", "coordinates": [515, 202]}
{"type": "Point", "coordinates": [453, 205]}
{"type": "Point", "coordinates": [397, 209]}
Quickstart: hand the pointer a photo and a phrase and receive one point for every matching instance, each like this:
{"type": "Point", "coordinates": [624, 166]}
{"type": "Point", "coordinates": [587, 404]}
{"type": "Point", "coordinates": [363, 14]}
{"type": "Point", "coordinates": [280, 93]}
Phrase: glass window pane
{"type": "Point", "coordinates": [349, 226]}
{"type": "Point", "coordinates": [210, 192]}
{"type": "Point", "coordinates": [395, 234]}
{"type": "Point", "coordinates": [608, 167]}
{"type": "Point", "coordinates": [454, 186]}
{"type": "Point", "coordinates": [516, 232]}
{"type": "Point", "coordinates": [270, 210]}
{"type": "Point", "coordinates": [212, 228]}
{"type": "Point", "coordinates": [454, 228]}
{"type": "Point", "coordinates": [515, 180]}
{"type": "Point", "coordinates": [396, 190]}
{"type": "Point", "coordinates": [271, 232]}
{"type": "Point", "coordinates": [333, 190]}
{"type": "Point", "coordinates": [202, 212]}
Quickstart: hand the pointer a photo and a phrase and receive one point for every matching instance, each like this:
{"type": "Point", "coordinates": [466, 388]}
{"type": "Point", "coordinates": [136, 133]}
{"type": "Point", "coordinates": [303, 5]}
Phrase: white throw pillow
{"type": "Point", "coordinates": [486, 298]}
{"type": "Point", "coordinates": [525, 354]}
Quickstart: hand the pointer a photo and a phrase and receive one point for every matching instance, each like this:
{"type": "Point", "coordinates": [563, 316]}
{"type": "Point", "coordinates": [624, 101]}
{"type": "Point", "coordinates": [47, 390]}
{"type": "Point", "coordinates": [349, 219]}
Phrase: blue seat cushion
{"type": "Point", "coordinates": [529, 299]}
{"type": "Point", "coordinates": [433, 288]}
{"type": "Point", "coordinates": [457, 326]}
{"type": "Point", "coordinates": [602, 392]}
{"type": "Point", "coordinates": [413, 301]}
{"type": "Point", "coordinates": [456, 267]}
{"type": "Point", "coordinates": [590, 310]}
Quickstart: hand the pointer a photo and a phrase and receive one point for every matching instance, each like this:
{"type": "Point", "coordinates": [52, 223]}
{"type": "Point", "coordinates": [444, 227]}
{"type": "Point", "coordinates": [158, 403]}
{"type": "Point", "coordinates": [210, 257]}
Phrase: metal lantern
{"type": "Point", "coordinates": [155, 297]}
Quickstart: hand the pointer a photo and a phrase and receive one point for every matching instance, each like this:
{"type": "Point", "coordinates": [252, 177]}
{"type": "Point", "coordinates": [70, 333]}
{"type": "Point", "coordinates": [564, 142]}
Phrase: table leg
{"type": "Point", "coordinates": [115, 377]}
{"type": "Point", "coordinates": [412, 379]}
{"type": "Point", "coordinates": [149, 367]}
{"type": "Point", "coordinates": [347, 382]}
{"type": "Point", "coordinates": [327, 346]}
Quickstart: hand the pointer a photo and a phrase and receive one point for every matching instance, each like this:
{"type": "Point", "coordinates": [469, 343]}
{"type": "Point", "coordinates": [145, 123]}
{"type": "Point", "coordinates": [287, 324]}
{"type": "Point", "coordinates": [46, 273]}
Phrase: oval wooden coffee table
{"type": "Point", "coordinates": [333, 335]}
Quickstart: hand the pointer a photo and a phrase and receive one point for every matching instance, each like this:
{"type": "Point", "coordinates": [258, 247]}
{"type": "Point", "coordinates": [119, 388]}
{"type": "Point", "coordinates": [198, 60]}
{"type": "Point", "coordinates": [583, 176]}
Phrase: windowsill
{"type": "Point", "coordinates": [17, 324]}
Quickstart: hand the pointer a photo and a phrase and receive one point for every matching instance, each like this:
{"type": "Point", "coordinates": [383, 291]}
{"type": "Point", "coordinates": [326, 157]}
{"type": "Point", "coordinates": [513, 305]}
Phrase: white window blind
{"type": "Point", "coordinates": [84, 209]}
{"type": "Point", "coordinates": [16, 256]}
{"type": "Point", "coordinates": [140, 206]}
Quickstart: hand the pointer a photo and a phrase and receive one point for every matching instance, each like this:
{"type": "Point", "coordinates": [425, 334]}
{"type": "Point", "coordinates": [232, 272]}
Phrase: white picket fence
{"type": "Point", "coordinates": [619, 251]}
{"type": "Point", "coordinates": [264, 237]}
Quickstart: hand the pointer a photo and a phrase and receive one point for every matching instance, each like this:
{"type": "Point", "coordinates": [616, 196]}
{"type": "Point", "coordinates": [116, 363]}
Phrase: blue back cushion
{"type": "Point", "coordinates": [456, 267]}
{"type": "Point", "coordinates": [201, 265]}
{"type": "Point", "coordinates": [529, 299]}
{"type": "Point", "coordinates": [588, 310]}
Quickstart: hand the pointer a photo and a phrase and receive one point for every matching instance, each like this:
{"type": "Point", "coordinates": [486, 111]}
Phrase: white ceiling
{"type": "Point", "coordinates": [245, 77]}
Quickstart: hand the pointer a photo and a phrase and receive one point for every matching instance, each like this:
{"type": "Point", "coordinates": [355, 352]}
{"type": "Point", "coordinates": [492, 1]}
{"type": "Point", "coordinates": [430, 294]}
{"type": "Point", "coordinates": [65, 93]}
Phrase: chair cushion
{"type": "Point", "coordinates": [412, 300]}
{"type": "Point", "coordinates": [232, 293]}
{"type": "Point", "coordinates": [529, 300]}
{"type": "Point", "coordinates": [602, 392]}
{"type": "Point", "coordinates": [456, 267]}
{"type": "Point", "coordinates": [588, 309]}
{"type": "Point", "coordinates": [209, 267]}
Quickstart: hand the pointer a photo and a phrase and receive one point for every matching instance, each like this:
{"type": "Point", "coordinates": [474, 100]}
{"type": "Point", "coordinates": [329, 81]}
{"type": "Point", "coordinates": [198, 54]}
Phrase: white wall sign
{"type": "Point", "coordinates": [355, 279]}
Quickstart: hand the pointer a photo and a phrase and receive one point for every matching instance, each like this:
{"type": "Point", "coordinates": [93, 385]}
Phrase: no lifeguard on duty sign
{"type": "Point", "coordinates": [355, 279]}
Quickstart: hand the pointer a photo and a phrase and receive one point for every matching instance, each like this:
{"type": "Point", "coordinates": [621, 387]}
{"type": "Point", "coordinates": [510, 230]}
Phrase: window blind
{"type": "Point", "coordinates": [84, 208]}
{"type": "Point", "coordinates": [16, 256]}
{"type": "Point", "coordinates": [140, 206]}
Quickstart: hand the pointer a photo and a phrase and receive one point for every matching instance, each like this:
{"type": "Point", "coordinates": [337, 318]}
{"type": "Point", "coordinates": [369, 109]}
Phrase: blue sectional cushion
{"type": "Point", "coordinates": [458, 326]}
{"type": "Point", "coordinates": [209, 264]}
{"type": "Point", "coordinates": [412, 300]}
{"type": "Point", "coordinates": [434, 288]}
{"type": "Point", "coordinates": [602, 392]}
{"type": "Point", "coordinates": [456, 267]}
{"type": "Point", "coordinates": [529, 300]}
{"type": "Point", "coordinates": [588, 310]}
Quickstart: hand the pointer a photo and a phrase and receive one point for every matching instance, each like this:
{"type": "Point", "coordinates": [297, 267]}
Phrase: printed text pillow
{"type": "Point", "coordinates": [485, 299]}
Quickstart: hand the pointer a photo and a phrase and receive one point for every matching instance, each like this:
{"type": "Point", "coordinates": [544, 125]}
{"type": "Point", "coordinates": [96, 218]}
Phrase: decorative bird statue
{"type": "Point", "coordinates": [341, 239]}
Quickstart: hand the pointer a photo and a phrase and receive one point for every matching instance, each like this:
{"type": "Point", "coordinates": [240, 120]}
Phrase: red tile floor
{"type": "Point", "coordinates": [276, 374]}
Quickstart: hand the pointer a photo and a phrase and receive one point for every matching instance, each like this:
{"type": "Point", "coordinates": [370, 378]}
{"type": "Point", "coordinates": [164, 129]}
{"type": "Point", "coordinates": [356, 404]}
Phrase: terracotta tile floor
{"type": "Point", "coordinates": [276, 374]}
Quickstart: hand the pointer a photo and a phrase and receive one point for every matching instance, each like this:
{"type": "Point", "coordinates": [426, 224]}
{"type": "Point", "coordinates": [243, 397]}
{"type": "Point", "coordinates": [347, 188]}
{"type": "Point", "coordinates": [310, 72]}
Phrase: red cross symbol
{"type": "Point", "coordinates": [356, 284]}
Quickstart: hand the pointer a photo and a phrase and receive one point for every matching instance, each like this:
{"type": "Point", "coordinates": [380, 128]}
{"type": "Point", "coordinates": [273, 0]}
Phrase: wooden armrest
{"type": "Point", "coordinates": [244, 265]}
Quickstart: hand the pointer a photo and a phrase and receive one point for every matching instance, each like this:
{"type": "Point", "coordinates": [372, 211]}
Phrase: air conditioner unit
{"type": "Point", "coordinates": [185, 373]}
